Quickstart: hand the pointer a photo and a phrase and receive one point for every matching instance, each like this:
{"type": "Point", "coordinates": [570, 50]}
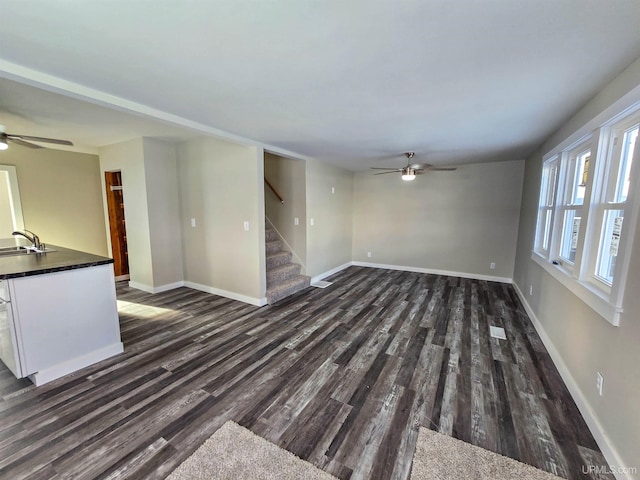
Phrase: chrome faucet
{"type": "Point", "coordinates": [33, 238]}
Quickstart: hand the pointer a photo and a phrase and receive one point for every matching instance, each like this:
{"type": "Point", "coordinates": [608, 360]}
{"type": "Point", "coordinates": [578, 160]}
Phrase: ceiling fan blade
{"type": "Point", "coordinates": [12, 136]}
{"type": "Point", "coordinates": [385, 168]}
{"type": "Point", "coordinates": [23, 143]}
{"type": "Point", "coordinates": [443, 169]}
{"type": "Point", "coordinates": [384, 173]}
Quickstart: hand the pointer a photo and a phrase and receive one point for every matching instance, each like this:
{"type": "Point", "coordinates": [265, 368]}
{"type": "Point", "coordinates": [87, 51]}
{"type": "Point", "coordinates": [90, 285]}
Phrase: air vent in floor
{"type": "Point", "coordinates": [497, 332]}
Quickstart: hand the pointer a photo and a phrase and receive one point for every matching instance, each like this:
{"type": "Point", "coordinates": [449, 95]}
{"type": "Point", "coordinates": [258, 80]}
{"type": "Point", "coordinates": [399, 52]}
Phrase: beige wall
{"type": "Point", "coordinates": [61, 196]}
{"type": "Point", "coordinates": [457, 221]}
{"type": "Point", "coordinates": [128, 157]}
{"type": "Point", "coordinates": [288, 177]}
{"type": "Point", "coordinates": [151, 209]}
{"type": "Point", "coordinates": [330, 239]}
{"type": "Point", "coordinates": [221, 186]}
{"type": "Point", "coordinates": [161, 179]}
{"type": "Point", "coordinates": [585, 342]}
{"type": "Point", "coordinates": [6, 215]}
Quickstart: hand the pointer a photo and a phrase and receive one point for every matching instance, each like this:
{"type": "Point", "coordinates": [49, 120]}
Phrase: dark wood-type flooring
{"type": "Point", "coordinates": [342, 377]}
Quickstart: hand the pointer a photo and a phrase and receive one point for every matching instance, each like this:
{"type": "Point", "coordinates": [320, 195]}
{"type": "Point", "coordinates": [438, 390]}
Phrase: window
{"type": "Point", "coordinates": [585, 196]}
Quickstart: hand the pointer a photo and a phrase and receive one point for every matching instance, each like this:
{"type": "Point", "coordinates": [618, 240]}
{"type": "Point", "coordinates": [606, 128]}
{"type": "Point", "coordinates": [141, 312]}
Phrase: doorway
{"type": "Point", "coordinates": [117, 225]}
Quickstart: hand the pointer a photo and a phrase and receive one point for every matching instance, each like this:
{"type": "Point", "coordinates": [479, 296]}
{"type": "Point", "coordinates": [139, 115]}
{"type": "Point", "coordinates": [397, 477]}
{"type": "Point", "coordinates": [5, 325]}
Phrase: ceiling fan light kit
{"type": "Point", "coordinates": [410, 171]}
{"type": "Point", "coordinates": [408, 174]}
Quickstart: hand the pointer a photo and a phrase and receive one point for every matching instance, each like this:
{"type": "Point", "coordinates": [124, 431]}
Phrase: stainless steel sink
{"type": "Point", "coordinates": [20, 250]}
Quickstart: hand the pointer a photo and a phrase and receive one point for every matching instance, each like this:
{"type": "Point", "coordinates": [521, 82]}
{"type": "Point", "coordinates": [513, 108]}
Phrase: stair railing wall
{"type": "Point", "coordinates": [274, 190]}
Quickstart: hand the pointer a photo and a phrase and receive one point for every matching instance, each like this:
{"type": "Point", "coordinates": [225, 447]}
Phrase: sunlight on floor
{"type": "Point", "coordinates": [141, 310]}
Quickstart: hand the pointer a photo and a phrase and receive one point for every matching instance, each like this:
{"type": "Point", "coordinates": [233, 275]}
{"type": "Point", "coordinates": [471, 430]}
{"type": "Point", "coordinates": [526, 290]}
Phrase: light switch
{"type": "Point", "coordinates": [193, 222]}
{"type": "Point", "coordinates": [296, 221]}
{"type": "Point", "coordinates": [246, 226]}
{"type": "Point", "coordinates": [333, 190]}
{"type": "Point", "coordinates": [311, 222]}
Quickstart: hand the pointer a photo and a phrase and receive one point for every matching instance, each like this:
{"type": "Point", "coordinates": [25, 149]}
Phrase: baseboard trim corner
{"type": "Point", "coordinates": [433, 271]}
{"type": "Point", "coordinates": [258, 302]}
{"type": "Point", "coordinates": [601, 438]}
{"type": "Point", "coordinates": [160, 289]}
{"type": "Point", "coordinates": [328, 273]}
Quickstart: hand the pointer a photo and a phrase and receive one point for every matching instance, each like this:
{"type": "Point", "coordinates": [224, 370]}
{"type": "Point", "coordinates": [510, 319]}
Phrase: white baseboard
{"type": "Point", "coordinates": [474, 276]}
{"type": "Point", "coordinates": [161, 288]}
{"type": "Point", "coordinates": [70, 366]}
{"type": "Point", "coordinates": [258, 302]}
{"type": "Point", "coordinates": [609, 452]}
{"type": "Point", "coordinates": [328, 273]}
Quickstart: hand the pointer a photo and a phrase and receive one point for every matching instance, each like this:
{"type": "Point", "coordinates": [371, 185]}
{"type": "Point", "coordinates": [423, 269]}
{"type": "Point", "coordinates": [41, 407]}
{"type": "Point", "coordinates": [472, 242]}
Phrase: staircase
{"type": "Point", "coordinates": [283, 276]}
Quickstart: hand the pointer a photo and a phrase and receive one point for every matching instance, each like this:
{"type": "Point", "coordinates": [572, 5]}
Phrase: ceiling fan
{"type": "Point", "coordinates": [5, 138]}
{"type": "Point", "coordinates": [410, 171]}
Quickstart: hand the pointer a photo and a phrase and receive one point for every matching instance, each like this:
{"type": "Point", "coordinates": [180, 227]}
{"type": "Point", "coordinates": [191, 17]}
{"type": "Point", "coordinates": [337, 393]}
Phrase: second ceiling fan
{"type": "Point", "coordinates": [410, 171]}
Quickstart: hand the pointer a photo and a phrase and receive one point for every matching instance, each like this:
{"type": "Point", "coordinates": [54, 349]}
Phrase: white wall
{"type": "Point", "coordinates": [584, 342]}
{"type": "Point", "coordinates": [330, 239]}
{"type": "Point", "coordinates": [455, 221]}
{"type": "Point", "coordinates": [288, 177]}
{"type": "Point", "coordinates": [221, 186]}
{"type": "Point", "coordinates": [61, 196]}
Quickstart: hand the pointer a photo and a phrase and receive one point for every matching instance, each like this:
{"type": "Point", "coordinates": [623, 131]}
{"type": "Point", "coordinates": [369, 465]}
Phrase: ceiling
{"type": "Point", "coordinates": [354, 83]}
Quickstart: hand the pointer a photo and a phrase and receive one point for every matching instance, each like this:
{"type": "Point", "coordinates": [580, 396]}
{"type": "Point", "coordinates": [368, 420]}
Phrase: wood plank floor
{"type": "Point", "coordinates": [342, 377]}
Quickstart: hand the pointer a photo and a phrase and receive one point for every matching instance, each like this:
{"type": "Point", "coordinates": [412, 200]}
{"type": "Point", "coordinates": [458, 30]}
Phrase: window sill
{"type": "Point", "coordinates": [586, 292]}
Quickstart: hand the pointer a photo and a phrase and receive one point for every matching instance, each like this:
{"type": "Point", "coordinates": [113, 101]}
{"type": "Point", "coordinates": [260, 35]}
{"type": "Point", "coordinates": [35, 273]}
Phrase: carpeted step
{"type": "Point", "coordinates": [270, 234]}
{"type": "Point", "coordinates": [282, 273]}
{"type": "Point", "coordinates": [273, 246]}
{"type": "Point", "coordinates": [291, 286]}
{"type": "Point", "coordinates": [277, 258]}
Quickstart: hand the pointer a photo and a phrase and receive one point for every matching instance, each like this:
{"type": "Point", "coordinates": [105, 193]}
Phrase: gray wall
{"type": "Point", "coordinates": [456, 221]}
{"type": "Point", "coordinates": [583, 342]}
{"type": "Point", "coordinates": [221, 186]}
{"type": "Point", "coordinates": [329, 240]}
{"type": "Point", "coordinates": [288, 177]}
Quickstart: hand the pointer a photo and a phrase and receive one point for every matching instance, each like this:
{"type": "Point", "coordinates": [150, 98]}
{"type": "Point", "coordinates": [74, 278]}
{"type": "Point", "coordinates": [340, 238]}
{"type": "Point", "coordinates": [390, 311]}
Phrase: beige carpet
{"type": "Point", "coordinates": [440, 457]}
{"type": "Point", "coordinates": [235, 453]}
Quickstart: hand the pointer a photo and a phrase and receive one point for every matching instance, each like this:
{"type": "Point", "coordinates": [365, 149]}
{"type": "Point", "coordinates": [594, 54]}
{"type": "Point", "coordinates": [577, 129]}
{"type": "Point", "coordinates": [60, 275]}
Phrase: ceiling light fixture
{"type": "Point", "coordinates": [3, 144]}
{"type": "Point", "coordinates": [408, 174]}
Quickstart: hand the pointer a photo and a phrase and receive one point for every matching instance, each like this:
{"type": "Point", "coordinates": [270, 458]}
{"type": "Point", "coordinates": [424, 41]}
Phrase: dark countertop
{"type": "Point", "coordinates": [57, 260]}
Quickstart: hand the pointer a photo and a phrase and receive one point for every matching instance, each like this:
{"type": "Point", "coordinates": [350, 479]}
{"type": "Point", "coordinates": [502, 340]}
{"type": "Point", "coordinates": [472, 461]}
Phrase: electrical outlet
{"type": "Point", "coordinates": [246, 226]}
{"type": "Point", "coordinates": [296, 221]}
{"type": "Point", "coordinates": [369, 254]}
{"type": "Point", "coordinates": [193, 222]}
{"type": "Point", "coordinates": [530, 290]}
{"type": "Point", "coordinates": [599, 382]}
{"type": "Point", "coordinates": [492, 265]}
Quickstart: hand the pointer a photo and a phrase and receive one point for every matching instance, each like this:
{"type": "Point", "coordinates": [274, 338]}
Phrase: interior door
{"type": "Point", "coordinates": [117, 224]}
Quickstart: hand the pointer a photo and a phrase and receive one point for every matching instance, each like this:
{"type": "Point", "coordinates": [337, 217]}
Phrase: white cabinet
{"type": "Point", "coordinates": [8, 347]}
{"type": "Point", "coordinates": [62, 322]}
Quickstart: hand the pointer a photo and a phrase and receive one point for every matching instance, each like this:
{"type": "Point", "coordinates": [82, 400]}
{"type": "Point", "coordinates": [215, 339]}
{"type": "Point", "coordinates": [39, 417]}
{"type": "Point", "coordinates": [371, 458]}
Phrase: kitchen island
{"type": "Point", "coordinates": [58, 311]}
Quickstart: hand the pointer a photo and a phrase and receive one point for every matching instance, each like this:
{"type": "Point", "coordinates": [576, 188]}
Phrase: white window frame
{"type": "Point", "coordinates": [580, 276]}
